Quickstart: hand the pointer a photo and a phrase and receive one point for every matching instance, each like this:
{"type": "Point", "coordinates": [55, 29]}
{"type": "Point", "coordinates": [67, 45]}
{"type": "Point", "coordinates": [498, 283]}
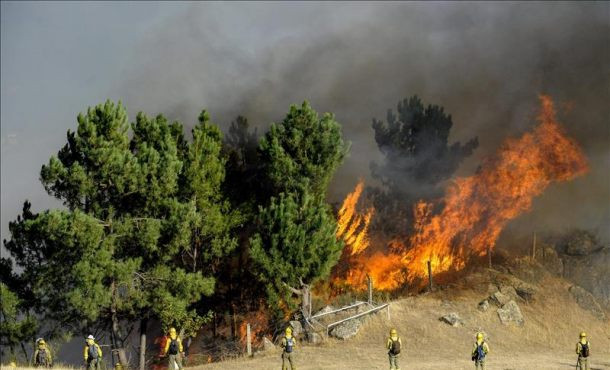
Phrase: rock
{"type": "Point", "coordinates": [452, 319]}
{"type": "Point", "coordinates": [347, 329]}
{"type": "Point", "coordinates": [499, 299]}
{"type": "Point", "coordinates": [580, 243]}
{"type": "Point", "coordinates": [314, 338]}
{"type": "Point", "coordinates": [325, 309]}
{"type": "Point", "coordinates": [587, 301]}
{"type": "Point", "coordinates": [526, 292]}
{"type": "Point", "coordinates": [510, 312]}
{"type": "Point", "coordinates": [297, 328]}
{"type": "Point", "coordinates": [590, 272]}
{"type": "Point", "coordinates": [267, 345]}
{"type": "Point", "coordinates": [509, 291]}
{"type": "Point", "coordinates": [483, 305]}
{"type": "Point", "coordinates": [492, 288]}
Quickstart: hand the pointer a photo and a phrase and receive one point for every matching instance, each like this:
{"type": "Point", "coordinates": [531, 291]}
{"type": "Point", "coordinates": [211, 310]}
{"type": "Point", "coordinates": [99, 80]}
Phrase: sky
{"type": "Point", "coordinates": [485, 63]}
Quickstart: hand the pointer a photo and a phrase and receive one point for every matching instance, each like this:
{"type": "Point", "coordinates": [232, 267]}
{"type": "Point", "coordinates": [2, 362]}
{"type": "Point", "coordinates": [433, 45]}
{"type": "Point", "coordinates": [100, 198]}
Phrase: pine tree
{"type": "Point", "coordinates": [294, 244]}
{"type": "Point", "coordinates": [302, 153]}
{"type": "Point", "coordinates": [418, 159]}
{"type": "Point", "coordinates": [144, 222]}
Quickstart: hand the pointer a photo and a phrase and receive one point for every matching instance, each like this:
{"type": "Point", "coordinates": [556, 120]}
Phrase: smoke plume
{"type": "Point", "coordinates": [485, 63]}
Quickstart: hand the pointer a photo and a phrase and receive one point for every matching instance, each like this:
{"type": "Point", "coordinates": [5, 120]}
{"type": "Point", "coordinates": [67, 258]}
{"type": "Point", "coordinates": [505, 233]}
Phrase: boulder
{"type": "Point", "coordinates": [346, 330]}
{"type": "Point", "coordinates": [587, 301]}
{"type": "Point", "coordinates": [510, 312]}
{"type": "Point", "coordinates": [267, 345]}
{"type": "Point", "coordinates": [297, 328]}
{"type": "Point", "coordinates": [314, 338]}
{"type": "Point", "coordinates": [499, 299]}
{"type": "Point", "coordinates": [452, 319]}
{"type": "Point", "coordinates": [483, 305]}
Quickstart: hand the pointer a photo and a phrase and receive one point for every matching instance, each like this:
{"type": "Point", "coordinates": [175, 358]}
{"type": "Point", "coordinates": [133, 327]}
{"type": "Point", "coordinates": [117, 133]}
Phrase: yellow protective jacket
{"type": "Point", "coordinates": [388, 344]}
{"type": "Point", "coordinates": [579, 347]}
{"type": "Point", "coordinates": [169, 341]}
{"type": "Point", "coordinates": [476, 344]}
{"type": "Point", "coordinates": [86, 351]}
{"type": "Point", "coordinates": [49, 358]}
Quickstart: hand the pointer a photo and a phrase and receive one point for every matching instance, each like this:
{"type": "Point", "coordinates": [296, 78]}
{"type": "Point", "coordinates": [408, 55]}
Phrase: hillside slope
{"type": "Point", "coordinates": [546, 340]}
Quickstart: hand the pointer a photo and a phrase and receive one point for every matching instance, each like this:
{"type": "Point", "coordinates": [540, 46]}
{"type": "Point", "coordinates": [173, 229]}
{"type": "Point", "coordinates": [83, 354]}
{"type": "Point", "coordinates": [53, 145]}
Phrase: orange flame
{"type": "Point", "coordinates": [478, 207]}
{"type": "Point", "coordinates": [353, 227]}
{"type": "Point", "coordinates": [259, 322]}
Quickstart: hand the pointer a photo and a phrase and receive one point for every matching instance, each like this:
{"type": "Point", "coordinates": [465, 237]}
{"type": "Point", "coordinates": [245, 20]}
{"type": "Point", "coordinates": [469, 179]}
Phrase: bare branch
{"type": "Point", "coordinates": [295, 291]}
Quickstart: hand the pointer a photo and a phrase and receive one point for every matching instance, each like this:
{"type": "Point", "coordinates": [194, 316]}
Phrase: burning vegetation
{"type": "Point", "coordinates": [472, 214]}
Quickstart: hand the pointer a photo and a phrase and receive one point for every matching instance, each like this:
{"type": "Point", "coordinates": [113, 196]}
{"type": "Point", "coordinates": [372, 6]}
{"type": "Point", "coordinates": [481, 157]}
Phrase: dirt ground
{"type": "Point", "coordinates": [311, 358]}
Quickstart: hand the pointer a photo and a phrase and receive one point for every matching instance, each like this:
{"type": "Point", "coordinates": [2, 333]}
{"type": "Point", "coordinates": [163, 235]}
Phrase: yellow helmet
{"type": "Point", "coordinates": [583, 334]}
{"type": "Point", "coordinates": [289, 330]}
{"type": "Point", "coordinates": [172, 330]}
{"type": "Point", "coordinates": [479, 336]}
{"type": "Point", "coordinates": [393, 332]}
{"type": "Point", "coordinates": [41, 342]}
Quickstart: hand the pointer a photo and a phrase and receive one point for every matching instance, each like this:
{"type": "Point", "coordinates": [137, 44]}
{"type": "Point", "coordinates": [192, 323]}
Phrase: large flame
{"type": "Point", "coordinates": [352, 226]}
{"type": "Point", "coordinates": [475, 209]}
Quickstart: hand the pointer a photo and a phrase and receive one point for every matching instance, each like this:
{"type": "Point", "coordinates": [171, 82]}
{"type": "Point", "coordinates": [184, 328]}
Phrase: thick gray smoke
{"type": "Point", "coordinates": [485, 63]}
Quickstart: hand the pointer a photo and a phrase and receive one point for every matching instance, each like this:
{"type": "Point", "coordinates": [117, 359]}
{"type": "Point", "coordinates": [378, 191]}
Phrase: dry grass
{"type": "Point", "coordinates": [546, 341]}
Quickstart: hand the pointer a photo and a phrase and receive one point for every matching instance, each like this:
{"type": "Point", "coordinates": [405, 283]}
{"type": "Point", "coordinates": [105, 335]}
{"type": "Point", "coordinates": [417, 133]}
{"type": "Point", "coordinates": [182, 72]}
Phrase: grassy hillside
{"type": "Point", "coordinates": [546, 341]}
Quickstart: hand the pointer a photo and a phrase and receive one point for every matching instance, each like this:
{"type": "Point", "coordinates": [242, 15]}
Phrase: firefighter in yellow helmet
{"type": "Point", "coordinates": [173, 349]}
{"type": "Point", "coordinates": [92, 354]}
{"type": "Point", "coordinates": [42, 355]}
{"type": "Point", "coordinates": [393, 345]}
{"type": "Point", "coordinates": [583, 347]}
{"type": "Point", "coordinates": [480, 349]}
{"type": "Point", "coordinates": [288, 344]}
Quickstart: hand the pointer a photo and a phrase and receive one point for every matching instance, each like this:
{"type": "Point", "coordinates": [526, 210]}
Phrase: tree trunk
{"type": "Point", "coordinates": [143, 327]}
{"type": "Point", "coordinates": [119, 344]}
{"type": "Point", "coordinates": [306, 300]}
{"type": "Point", "coordinates": [25, 353]}
{"type": "Point", "coordinates": [116, 331]}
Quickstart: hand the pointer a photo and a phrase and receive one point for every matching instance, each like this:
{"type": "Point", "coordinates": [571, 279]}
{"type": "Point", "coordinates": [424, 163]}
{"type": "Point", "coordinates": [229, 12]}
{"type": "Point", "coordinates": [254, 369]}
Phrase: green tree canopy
{"type": "Point", "coordinates": [295, 244]}
{"type": "Point", "coordinates": [301, 153]}
{"type": "Point", "coordinates": [17, 325]}
{"type": "Point", "coordinates": [144, 224]}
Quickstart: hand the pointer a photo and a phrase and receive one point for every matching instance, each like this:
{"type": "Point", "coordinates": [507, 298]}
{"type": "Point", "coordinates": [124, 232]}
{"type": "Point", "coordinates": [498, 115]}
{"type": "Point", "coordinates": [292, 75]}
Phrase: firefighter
{"type": "Point", "coordinates": [480, 349]}
{"type": "Point", "coordinates": [42, 355]}
{"type": "Point", "coordinates": [92, 354]}
{"type": "Point", "coordinates": [583, 347]}
{"type": "Point", "coordinates": [288, 344]}
{"type": "Point", "coordinates": [173, 349]}
{"type": "Point", "coordinates": [393, 345]}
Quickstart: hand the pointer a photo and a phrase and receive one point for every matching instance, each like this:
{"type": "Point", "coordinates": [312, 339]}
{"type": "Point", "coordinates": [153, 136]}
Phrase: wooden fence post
{"type": "Point", "coordinates": [489, 256]}
{"type": "Point", "coordinates": [429, 275]}
{"type": "Point", "coordinates": [370, 288]}
{"type": "Point", "coordinates": [534, 247]}
{"type": "Point", "coordinates": [248, 340]}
